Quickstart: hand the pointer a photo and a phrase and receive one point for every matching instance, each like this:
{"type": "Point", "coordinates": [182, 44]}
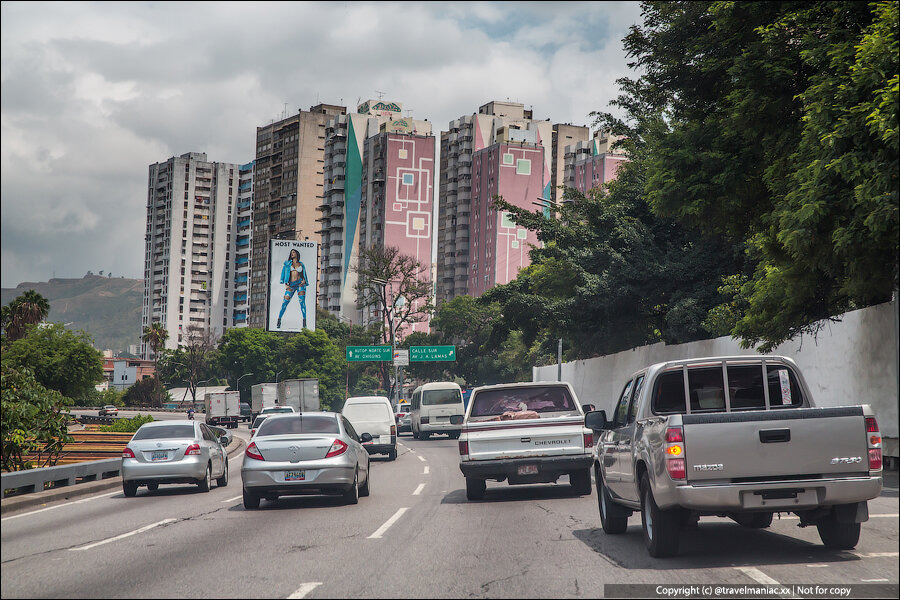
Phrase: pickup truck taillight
{"type": "Point", "coordinates": [675, 453]}
{"type": "Point", "coordinates": [463, 448]}
{"type": "Point", "coordinates": [393, 430]}
{"type": "Point", "coordinates": [873, 440]}
{"type": "Point", "coordinates": [588, 440]}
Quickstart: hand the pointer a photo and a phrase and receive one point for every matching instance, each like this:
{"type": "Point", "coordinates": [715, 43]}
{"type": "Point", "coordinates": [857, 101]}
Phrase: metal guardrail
{"type": "Point", "coordinates": [94, 420]}
{"type": "Point", "coordinates": [36, 480]}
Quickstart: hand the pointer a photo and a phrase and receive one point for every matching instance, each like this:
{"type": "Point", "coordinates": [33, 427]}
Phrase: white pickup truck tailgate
{"type": "Point", "coordinates": [528, 438]}
{"type": "Point", "coordinates": [759, 445]}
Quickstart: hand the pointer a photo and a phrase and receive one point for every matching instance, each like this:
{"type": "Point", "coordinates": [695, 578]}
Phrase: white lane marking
{"type": "Point", "coordinates": [876, 554]}
{"type": "Point", "coordinates": [818, 566]}
{"type": "Point", "coordinates": [884, 515]}
{"type": "Point", "coordinates": [304, 589]}
{"type": "Point", "coordinates": [125, 535]}
{"type": "Point", "coordinates": [757, 575]}
{"type": "Point", "coordinates": [413, 451]}
{"type": "Point", "coordinates": [388, 523]}
{"type": "Point", "coordinates": [421, 458]}
{"type": "Point", "coordinates": [419, 489]}
{"type": "Point", "coordinates": [232, 499]}
{"type": "Point", "coordinates": [425, 472]}
{"type": "Point", "coordinates": [873, 580]}
{"type": "Point", "coordinates": [40, 510]}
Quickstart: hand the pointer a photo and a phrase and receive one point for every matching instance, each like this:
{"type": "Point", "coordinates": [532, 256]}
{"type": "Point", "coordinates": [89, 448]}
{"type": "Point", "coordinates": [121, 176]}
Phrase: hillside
{"type": "Point", "coordinates": [108, 309]}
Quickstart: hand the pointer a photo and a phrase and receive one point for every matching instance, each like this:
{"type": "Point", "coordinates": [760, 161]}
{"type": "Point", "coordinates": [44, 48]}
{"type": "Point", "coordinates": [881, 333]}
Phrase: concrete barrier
{"type": "Point", "coordinates": [34, 480]}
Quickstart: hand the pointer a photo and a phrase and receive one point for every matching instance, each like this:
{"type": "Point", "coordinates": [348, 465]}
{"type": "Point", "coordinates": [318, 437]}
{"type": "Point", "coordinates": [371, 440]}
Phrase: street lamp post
{"type": "Point", "coordinates": [238, 386]}
{"type": "Point", "coordinates": [389, 316]}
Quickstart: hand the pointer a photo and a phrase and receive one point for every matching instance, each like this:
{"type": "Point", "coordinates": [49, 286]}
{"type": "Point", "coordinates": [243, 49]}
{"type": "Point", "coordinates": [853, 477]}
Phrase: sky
{"type": "Point", "coordinates": [91, 94]}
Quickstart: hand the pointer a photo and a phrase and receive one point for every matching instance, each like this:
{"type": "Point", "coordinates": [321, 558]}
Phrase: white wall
{"type": "Point", "coordinates": [850, 362]}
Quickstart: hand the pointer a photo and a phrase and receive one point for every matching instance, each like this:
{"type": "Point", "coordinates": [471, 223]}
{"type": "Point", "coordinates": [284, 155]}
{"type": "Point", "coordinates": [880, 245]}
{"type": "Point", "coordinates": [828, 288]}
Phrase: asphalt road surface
{"type": "Point", "coordinates": [415, 536]}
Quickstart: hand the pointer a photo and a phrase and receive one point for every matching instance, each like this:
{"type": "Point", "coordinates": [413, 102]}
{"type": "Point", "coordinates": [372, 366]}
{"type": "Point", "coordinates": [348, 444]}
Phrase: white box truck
{"type": "Point", "coordinates": [262, 395]}
{"type": "Point", "coordinates": [223, 409]}
{"type": "Point", "coordinates": [302, 394]}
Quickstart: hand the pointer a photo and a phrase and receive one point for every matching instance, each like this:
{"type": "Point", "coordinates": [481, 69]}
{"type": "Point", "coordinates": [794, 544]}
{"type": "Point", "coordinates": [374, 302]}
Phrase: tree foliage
{"type": "Point", "coordinates": [24, 311]}
{"type": "Point", "coordinates": [775, 125]}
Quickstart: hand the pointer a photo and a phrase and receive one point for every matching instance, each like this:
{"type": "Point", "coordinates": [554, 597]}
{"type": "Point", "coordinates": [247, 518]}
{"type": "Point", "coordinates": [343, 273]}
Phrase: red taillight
{"type": "Point", "coordinates": [871, 425]}
{"type": "Point", "coordinates": [874, 459]}
{"type": "Point", "coordinates": [393, 430]}
{"type": "Point", "coordinates": [192, 450]}
{"type": "Point", "coordinates": [337, 448]}
{"type": "Point", "coordinates": [674, 435]}
{"type": "Point", "coordinates": [463, 448]}
{"type": "Point", "coordinates": [675, 467]}
{"type": "Point", "coordinates": [588, 440]}
{"type": "Point", "coordinates": [253, 452]}
{"type": "Point", "coordinates": [127, 453]}
{"type": "Point", "coordinates": [252, 431]}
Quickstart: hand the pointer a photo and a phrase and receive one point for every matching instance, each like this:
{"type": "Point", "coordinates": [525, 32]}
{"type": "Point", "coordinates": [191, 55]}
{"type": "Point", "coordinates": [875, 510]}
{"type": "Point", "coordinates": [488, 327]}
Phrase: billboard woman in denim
{"type": "Point", "coordinates": [293, 276]}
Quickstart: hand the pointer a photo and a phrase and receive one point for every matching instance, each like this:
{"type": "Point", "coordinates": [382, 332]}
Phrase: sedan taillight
{"type": "Point", "coordinates": [253, 452]}
{"type": "Point", "coordinates": [127, 453]}
{"type": "Point", "coordinates": [192, 450]}
{"type": "Point", "coordinates": [337, 448]}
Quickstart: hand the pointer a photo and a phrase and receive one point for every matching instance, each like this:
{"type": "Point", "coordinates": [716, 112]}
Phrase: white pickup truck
{"type": "Point", "coordinates": [734, 436]}
{"type": "Point", "coordinates": [524, 433]}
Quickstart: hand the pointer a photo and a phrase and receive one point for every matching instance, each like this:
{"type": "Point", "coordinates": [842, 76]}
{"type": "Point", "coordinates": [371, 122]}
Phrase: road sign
{"type": "Point", "coordinates": [401, 357]}
{"type": "Point", "coordinates": [364, 353]}
{"type": "Point", "coordinates": [430, 353]}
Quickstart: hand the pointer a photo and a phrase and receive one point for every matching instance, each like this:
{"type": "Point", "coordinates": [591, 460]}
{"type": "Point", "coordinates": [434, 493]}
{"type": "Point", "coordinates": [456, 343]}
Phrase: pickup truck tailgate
{"type": "Point", "coordinates": [765, 445]}
{"type": "Point", "coordinates": [528, 438]}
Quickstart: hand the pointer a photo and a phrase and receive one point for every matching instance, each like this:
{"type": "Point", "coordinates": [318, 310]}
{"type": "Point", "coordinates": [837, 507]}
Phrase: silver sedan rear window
{"type": "Point", "coordinates": [164, 432]}
{"type": "Point", "coordinates": [298, 424]}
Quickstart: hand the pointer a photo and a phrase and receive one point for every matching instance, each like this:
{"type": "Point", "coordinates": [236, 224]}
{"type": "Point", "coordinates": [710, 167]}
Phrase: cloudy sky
{"type": "Point", "coordinates": [93, 93]}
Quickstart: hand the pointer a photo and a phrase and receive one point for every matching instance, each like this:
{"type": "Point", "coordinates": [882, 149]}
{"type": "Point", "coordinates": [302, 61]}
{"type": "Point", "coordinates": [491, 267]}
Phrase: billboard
{"type": "Point", "coordinates": [292, 285]}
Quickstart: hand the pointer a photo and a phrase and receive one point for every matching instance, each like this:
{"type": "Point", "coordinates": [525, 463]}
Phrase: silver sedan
{"type": "Point", "coordinates": [173, 452]}
{"type": "Point", "coordinates": [308, 453]}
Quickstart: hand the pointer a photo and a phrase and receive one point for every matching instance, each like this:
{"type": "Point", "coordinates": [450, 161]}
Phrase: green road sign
{"type": "Point", "coordinates": [363, 353]}
{"type": "Point", "coordinates": [429, 353]}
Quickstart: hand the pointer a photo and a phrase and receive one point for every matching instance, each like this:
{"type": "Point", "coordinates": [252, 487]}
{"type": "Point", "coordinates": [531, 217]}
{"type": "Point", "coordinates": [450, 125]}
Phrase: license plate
{"type": "Point", "coordinates": [528, 470]}
{"type": "Point", "coordinates": [159, 456]}
{"type": "Point", "coordinates": [294, 475]}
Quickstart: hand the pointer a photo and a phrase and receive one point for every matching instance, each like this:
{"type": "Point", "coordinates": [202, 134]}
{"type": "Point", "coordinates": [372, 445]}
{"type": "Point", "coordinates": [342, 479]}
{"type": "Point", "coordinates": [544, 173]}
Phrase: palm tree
{"type": "Point", "coordinates": [156, 335]}
{"type": "Point", "coordinates": [28, 309]}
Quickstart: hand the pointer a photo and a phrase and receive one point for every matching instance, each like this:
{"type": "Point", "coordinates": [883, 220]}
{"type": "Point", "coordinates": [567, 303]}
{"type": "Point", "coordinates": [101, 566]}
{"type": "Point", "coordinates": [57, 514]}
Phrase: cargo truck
{"type": "Point", "coordinates": [262, 395]}
{"type": "Point", "coordinates": [223, 409]}
{"type": "Point", "coordinates": [302, 394]}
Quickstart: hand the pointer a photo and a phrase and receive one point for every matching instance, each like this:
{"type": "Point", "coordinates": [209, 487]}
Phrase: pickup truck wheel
{"type": "Point", "coordinates": [424, 436]}
{"type": "Point", "coordinates": [661, 527]}
{"type": "Point", "coordinates": [475, 488]}
{"type": "Point", "coordinates": [754, 520]}
{"type": "Point", "coordinates": [610, 519]}
{"type": "Point", "coordinates": [840, 536]}
{"type": "Point", "coordinates": [581, 481]}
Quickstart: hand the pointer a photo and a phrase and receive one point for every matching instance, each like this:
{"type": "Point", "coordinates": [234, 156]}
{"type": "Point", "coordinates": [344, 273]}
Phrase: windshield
{"type": "Point", "coordinates": [434, 397]}
{"type": "Point", "coordinates": [164, 432]}
{"type": "Point", "coordinates": [511, 401]}
{"type": "Point", "coordinates": [299, 424]}
{"type": "Point", "coordinates": [368, 412]}
{"type": "Point", "coordinates": [281, 409]}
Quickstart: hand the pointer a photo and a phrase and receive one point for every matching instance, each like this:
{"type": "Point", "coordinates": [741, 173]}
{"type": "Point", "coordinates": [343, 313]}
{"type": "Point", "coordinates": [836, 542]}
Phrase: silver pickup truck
{"type": "Point", "coordinates": [738, 437]}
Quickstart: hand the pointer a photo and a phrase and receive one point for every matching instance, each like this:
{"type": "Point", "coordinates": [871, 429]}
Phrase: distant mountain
{"type": "Point", "coordinates": [107, 308]}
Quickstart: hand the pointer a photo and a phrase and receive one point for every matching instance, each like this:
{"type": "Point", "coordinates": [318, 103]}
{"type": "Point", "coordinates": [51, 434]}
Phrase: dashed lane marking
{"type": "Point", "coordinates": [304, 589]}
{"type": "Point", "coordinates": [425, 472]}
{"type": "Point", "coordinates": [757, 575]}
{"type": "Point", "coordinates": [380, 531]}
{"type": "Point", "coordinates": [40, 510]}
{"type": "Point", "coordinates": [125, 535]}
{"type": "Point", "coordinates": [232, 499]}
{"type": "Point", "coordinates": [421, 458]}
{"type": "Point", "coordinates": [419, 489]}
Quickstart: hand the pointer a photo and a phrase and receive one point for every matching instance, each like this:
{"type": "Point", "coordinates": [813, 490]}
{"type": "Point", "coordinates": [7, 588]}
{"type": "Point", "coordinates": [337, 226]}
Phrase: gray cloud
{"type": "Point", "coordinates": [94, 93]}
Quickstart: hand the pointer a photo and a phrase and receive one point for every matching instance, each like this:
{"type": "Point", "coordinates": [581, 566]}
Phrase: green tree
{"type": "Point", "coordinates": [774, 124]}
{"type": "Point", "coordinates": [144, 394]}
{"type": "Point", "coordinates": [59, 359]}
{"type": "Point", "coordinates": [311, 354]}
{"type": "Point", "coordinates": [33, 423]}
{"type": "Point", "coordinates": [26, 310]}
{"type": "Point", "coordinates": [155, 335]}
{"type": "Point", "coordinates": [249, 350]}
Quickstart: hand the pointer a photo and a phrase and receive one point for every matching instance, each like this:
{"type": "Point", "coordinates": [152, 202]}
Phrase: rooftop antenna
{"type": "Point", "coordinates": [284, 112]}
{"type": "Point", "coordinates": [380, 94]}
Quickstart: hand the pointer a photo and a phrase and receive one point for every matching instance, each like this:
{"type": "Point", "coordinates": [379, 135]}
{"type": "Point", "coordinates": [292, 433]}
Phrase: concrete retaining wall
{"type": "Point", "coordinates": [853, 361]}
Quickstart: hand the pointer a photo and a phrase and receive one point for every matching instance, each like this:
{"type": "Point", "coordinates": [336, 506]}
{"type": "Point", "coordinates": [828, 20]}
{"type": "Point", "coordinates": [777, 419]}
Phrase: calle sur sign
{"type": "Point", "coordinates": [364, 353]}
{"type": "Point", "coordinates": [429, 353]}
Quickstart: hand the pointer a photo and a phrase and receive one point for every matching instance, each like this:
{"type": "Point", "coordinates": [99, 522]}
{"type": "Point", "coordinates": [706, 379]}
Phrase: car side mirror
{"type": "Point", "coordinates": [596, 420]}
{"type": "Point", "coordinates": [456, 420]}
{"type": "Point", "coordinates": [366, 437]}
{"type": "Point", "coordinates": [587, 408]}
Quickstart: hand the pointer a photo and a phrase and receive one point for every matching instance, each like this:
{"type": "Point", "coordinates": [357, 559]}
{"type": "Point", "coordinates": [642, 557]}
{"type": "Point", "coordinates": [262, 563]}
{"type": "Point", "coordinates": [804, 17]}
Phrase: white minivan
{"type": "Point", "coordinates": [432, 406]}
{"type": "Point", "coordinates": [373, 415]}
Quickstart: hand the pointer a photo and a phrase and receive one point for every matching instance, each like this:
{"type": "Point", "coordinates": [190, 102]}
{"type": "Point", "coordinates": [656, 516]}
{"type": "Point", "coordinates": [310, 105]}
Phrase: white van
{"type": "Point", "coordinates": [373, 415]}
{"type": "Point", "coordinates": [432, 406]}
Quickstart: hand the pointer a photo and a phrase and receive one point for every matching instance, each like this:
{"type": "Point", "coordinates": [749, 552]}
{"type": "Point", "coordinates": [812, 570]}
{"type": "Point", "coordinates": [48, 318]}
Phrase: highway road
{"type": "Point", "coordinates": [415, 536]}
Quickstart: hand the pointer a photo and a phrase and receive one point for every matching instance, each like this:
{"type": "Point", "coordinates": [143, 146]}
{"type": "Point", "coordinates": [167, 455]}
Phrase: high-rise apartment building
{"type": "Point", "coordinates": [564, 134]}
{"type": "Point", "coordinates": [349, 177]}
{"type": "Point", "coordinates": [189, 248]}
{"type": "Point", "coordinates": [592, 163]}
{"type": "Point", "coordinates": [466, 136]}
{"type": "Point", "coordinates": [242, 246]}
{"type": "Point", "coordinates": [288, 189]}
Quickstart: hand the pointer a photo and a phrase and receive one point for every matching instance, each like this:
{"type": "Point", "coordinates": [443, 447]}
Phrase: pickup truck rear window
{"type": "Point", "coordinates": [491, 403]}
{"type": "Point", "coordinates": [745, 389]}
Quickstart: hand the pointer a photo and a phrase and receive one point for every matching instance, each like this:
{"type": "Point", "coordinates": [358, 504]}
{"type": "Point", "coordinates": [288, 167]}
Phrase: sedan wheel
{"type": "Point", "coordinates": [223, 480]}
{"type": "Point", "coordinates": [351, 496]}
{"type": "Point", "coordinates": [129, 488]}
{"type": "Point", "coordinates": [251, 500]}
{"type": "Point", "coordinates": [204, 484]}
{"type": "Point", "coordinates": [364, 490]}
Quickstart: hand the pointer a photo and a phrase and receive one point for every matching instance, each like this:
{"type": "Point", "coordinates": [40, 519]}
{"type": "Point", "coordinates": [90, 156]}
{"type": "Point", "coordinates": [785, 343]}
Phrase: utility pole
{"type": "Point", "coordinates": [559, 361]}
